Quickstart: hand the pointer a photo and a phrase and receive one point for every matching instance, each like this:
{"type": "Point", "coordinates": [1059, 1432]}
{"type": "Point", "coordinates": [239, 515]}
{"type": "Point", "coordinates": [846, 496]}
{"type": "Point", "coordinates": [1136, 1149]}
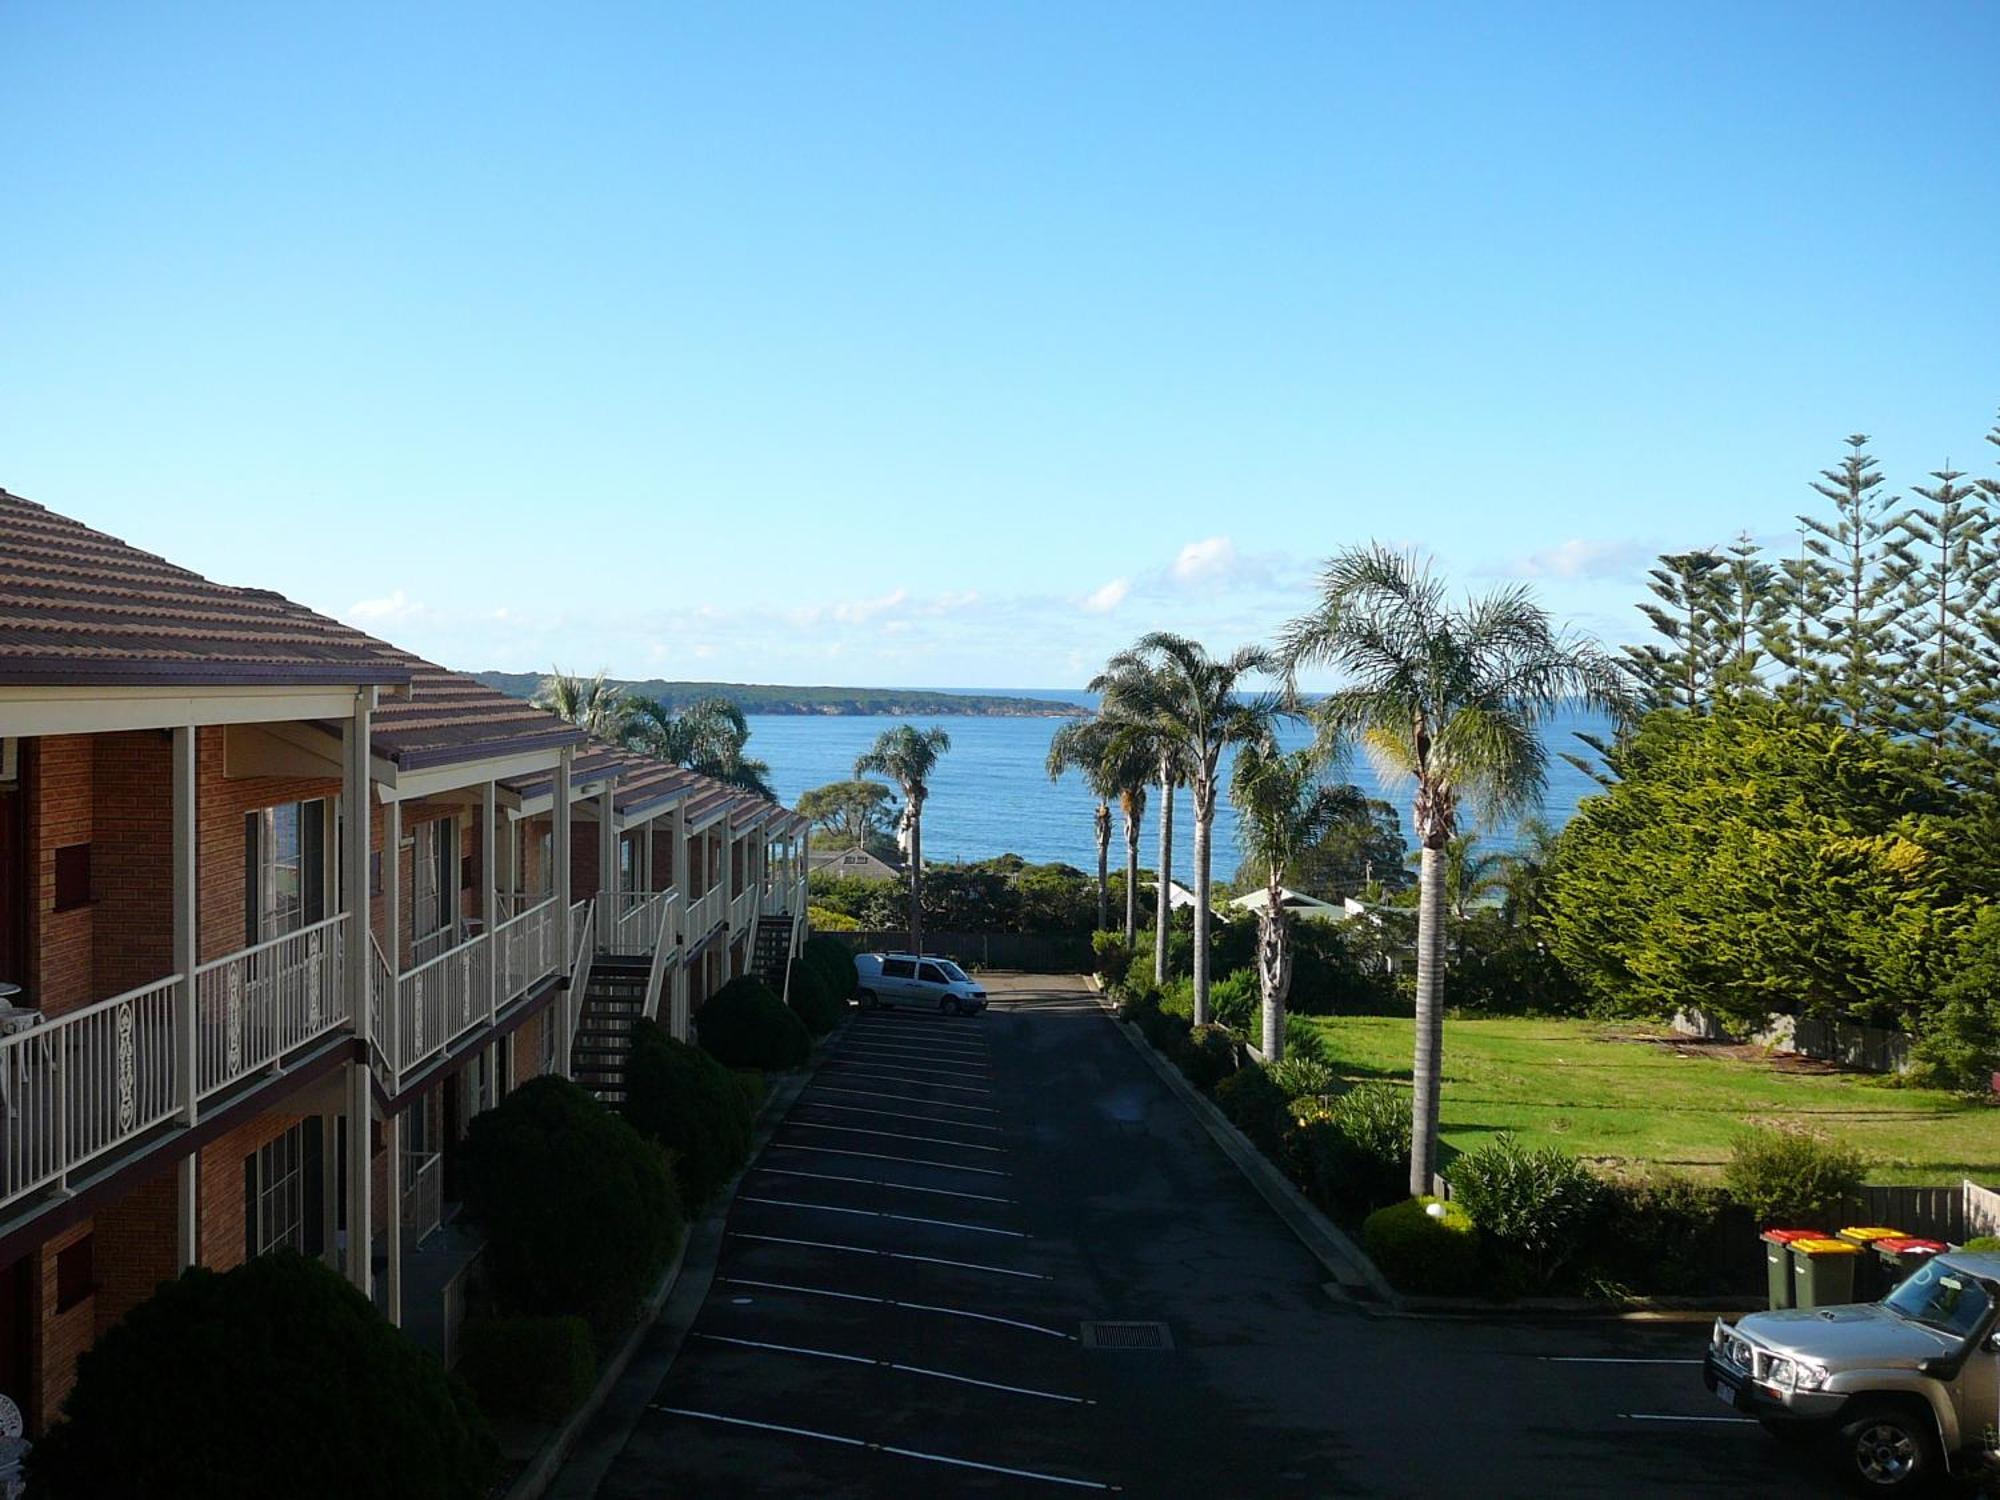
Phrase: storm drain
{"type": "Point", "coordinates": [1127, 1336]}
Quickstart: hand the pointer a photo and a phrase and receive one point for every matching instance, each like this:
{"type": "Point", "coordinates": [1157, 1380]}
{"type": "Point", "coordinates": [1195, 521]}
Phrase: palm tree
{"type": "Point", "coordinates": [1470, 873]}
{"type": "Point", "coordinates": [907, 756]}
{"type": "Point", "coordinates": [1126, 681]}
{"type": "Point", "coordinates": [708, 736]}
{"type": "Point", "coordinates": [1086, 745]}
{"type": "Point", "coordinates": [597, 707]}
{"type": "Point", "coordinates": [1451, 697]}
{"type": "Point", "coordinates": [1524, 883]}
{"type": "Point", "coordinates": [1191, 700]}
{"type": "Point", "coordinates": [1283, 809]}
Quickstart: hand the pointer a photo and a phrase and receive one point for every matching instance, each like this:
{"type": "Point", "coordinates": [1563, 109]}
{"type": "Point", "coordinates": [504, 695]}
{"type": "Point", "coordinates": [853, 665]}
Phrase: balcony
{"type": "Point", "coordinates": [423, 1195]}
{"type": "Point", "coordinates": [706, 911]}
{"type": "Point", "coordinates": [636, 923]}
{"type": "Point", "coordinates": [743, 911]}
{"type": "Point", "coordinates": [78, 1088]}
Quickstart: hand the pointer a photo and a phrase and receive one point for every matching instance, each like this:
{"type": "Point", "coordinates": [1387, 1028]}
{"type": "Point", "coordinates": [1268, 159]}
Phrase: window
{"type": "Point", "coordinates": [437, 872]}
{"type": "Point", "coordinates": [76, 1273]}
{"type": "Point", "coordinates": [629, 878]}
{"type": "Point", "coordinates": [898, 968]}
{"type": "Point", "coordinates": [549, 1029]}
{"type": "Point", "coordinates": [274, 1194]}
{"type": "Point", "coordinates": [284, 866]}
{"type": "Point", "coordinates": [72, 877]}
{"type": "Point", "coordinates": [932, 974]}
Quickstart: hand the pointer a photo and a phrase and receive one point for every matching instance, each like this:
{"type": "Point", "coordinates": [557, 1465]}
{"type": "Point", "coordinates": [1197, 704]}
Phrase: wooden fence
{"type": "Point", "coordinates": [1870, 1048]}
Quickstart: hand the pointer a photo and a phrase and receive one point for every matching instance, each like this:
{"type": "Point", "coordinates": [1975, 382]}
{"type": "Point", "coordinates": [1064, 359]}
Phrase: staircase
{"type": "Point", "coordinates": [616, 998]}
{"type": "Point", "coordinates": [771, 950]}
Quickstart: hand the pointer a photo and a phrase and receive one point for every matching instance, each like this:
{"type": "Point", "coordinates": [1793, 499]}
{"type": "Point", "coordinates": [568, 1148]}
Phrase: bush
{"type": "Point", "coordinates": [1788, 1177]}
{"type": "Point", "coordinates": [1254, 1104]}
{"type": "Point", "coordinates": [1140, 1006]}
{"type": "Point", "coordinates": [751, 1088]}
{"type": "Point", "coordinates": [811, 1001]}
{"type": "Point", "coordinates": [220, 1382]}
{"type": "Point", "coordinates": [1534, 1205]}
{"type": "Point", "coordinates": [689, 1103]}
{"type": "Point", "coordinates": [1111, 960]}
{"type": "Point", "coordinates": [1360, 1160]}
{"type": "Point", "coordinates": [1234, 999]}
{"type": "Point", "coordinates": [1424, 1252]}
{"type": "Point", "coordinates": [835, 964]}
{"type": "Point", "coordinates": [1982, 1242]}
{"type": "Point", "coordinates": [579, 1208]}
{"type": "Point", "coordinates": [1305, 1041]}
{"type": "Point", "coordinates": [1297, 1076]}
{"type": "Point", "coordinates": [528, 1369]}
{"type": "Point", "coordinates": [746, 1026]}
{"type": "Point", "coordinates": [1664, 1235]}
{"type": "Point", "coordinates": [826, 919]}
{"type": "Point", "coordinates": [1207, 1056]}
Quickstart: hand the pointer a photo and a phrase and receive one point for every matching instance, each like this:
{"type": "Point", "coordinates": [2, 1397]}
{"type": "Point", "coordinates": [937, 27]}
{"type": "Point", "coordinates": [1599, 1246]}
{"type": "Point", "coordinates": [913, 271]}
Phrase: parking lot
{"type": "Point", "coordinates": [902, 1294]}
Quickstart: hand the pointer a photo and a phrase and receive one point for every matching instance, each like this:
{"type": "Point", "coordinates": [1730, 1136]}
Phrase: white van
{"type": "Point", "coordinates": [914, 979]}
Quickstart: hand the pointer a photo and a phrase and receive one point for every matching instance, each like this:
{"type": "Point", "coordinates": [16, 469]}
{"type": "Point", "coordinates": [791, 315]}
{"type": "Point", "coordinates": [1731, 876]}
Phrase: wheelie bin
{"type": "Point", "coordinates": [1778, 1262]}
{"type": "Point", "coordinates": [1870, 1275]}
{"type": "Point", "coordinates": [1823, 1271]}
{"type": "Point", "coordinates": [1899, 1257]}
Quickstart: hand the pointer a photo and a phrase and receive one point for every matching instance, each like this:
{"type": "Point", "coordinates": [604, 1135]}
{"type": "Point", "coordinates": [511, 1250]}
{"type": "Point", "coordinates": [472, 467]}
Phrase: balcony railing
{"type": "Point", "coordinates": [440, 1001]}
{"type": "Point", "coordinates": [255, 1006]}
{"type": "Point", "coordinates": [527, 944]}
{"type": "Point", "coordinates": [423, 1194]}
{"type": "Point", "coordinates": [706, 910]}
{"type": "Point", "coordinates": [743, 911]}
{"type": "Point", "coordinates": [636, 922]}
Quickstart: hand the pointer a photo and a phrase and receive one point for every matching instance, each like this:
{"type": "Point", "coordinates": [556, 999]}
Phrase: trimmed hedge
{"type": "Point", "coordinates": [528, 1369]}
{"type": "Point", "coordinates": [1255, 1105]}
{"type": "Point", "coordinates": [275, 1378]}
{"type": "Point", "coordinates": [689, 1103]}
{"type": "Point", "coordinates": [835, 963]}
{"type": "Point", "coordinates": [810, 998]}
{"type": "Point", "coordinates": [745, 1025]}
{"type": "Point", "coordinates": [1420, 1251]}
{"type": "Point", "coordinates": [579, 1208]}
{"type": "Point", "coordinates": [1207, 1056]}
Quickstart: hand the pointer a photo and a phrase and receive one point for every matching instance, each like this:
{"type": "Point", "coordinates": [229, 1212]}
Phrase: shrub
{"type": "Point", "coordinates": [1421, 1251]}
{"type": "Point", "coordinates": [1233, 999]}
{"type": "Point", "coordinates": [811, 1001]}
{"type": "Point", "coordinates": [1532, 1204]}
{"type": "Point", "coordinates": [751, 1088]}
{"type": "Point", "coordinates": [1208, 1056]}
{"type": "Point", "coordinates": [1364, 1163]}
{"type": "Point", "coordinates": [1664, 1235]}
{"type": "Point", "coordinates": [689, 1103]}
{"type": "Point", "coordinates": [1299, 1075]}
{"type": "Point", "coordinates": [1305, 1040]}
{"type": "Point", "coordinates": [528, 1369]}
{"type": "Point", "coordinates": [834, 962]}
{"type": "Point", "coordinates": [1791, 1177]}
{"type": "Point", "coordinates": [826, 919]}
{"type": "Point", "coordinates": [579, 1209]}
{"type": "Point", "coordinates": [1254, 1104]}
{"type": "Point", "coordinates": [210, 1387]}
{"type": "Point", "coordinates": [1110, 959]}
{"type": "Point", "coordinates": [1140, 1006]}
{"type": "Point", "coordinates": [746, 1026]}
{"type": "Point", "coordinates": [1982, 1242]}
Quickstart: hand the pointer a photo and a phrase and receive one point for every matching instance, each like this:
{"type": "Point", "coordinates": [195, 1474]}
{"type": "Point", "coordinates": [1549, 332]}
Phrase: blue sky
{"type": "Point", "coordinates": [955, 344]}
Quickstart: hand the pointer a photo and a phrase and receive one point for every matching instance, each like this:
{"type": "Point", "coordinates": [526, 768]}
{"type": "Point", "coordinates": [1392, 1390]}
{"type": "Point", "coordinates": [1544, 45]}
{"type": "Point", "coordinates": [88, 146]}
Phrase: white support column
{"type": "Point", "coordinates": [678, 1017]}
{"type": "Point", "coordinates": [647, 883]}
{"type": "Point", "coordinates": [392, 909]}
{"type": "Point", "coordinates": [357, 803]}
{"type": "Point", "coordinates": [607, 837]}
{"type": "Point", "coordinates": [392, 1213]}
{"type": "Point", "coordinates": [187, 953]}
{"type": "Point", "coordinates": [560, 1014]}
{"type": "Point", "coordinates": [489, 896]}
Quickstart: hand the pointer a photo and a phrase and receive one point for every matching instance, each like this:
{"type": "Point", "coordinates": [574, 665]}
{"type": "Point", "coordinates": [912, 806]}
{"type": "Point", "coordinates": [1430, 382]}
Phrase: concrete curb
{"type": "Point", "coordinates": [671, 1293]}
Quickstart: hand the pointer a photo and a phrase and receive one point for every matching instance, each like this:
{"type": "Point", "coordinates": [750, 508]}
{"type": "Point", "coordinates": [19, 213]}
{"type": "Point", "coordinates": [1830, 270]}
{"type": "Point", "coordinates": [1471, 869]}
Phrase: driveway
{"type": "Point", "coordinates": [905, 1299]}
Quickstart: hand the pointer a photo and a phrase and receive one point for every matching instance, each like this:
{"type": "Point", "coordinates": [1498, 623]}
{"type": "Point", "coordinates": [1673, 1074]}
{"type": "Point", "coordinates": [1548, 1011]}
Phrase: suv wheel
{"type": "Point", "coordinates": [1889, 1449]}
{"type": "Point", "coordinates": [949, 1005]}
{"type": "Point", "coordinates": [866, 999]}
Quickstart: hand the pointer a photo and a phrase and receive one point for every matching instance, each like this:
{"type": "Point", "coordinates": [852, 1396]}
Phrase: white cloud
{"type": "Point", "coordinates": [1103, 601]}
{"type": "Point", "coordinates": [861, 611]}
{"type": "Point", "coordinates": [1579, 557]}
{"type": "Point", "coordinates": [397, 606]}
{"type": "Point", "coordinates": [1202, 561]}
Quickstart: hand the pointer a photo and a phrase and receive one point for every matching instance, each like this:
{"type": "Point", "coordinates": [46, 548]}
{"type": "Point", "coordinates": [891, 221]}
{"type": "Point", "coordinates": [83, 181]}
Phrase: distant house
{"type": "Point", "coordinates": [1299, 905]}
{"type": "Point", "coordinates": [853, 861]}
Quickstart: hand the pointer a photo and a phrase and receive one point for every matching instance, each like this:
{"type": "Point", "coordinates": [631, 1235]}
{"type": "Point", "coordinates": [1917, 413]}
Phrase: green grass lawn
{"type": "Point", "coordinates": [1624, 1094]}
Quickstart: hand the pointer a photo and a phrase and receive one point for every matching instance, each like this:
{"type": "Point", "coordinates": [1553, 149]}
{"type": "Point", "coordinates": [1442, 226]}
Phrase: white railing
{"type": "Point", "coordinates": [526, 945]}
{"type": "Point", "coordinates": [431, 944]}
{"type": "Point", "coordinates": [253, 1007]}
{"type": "Point", "coordinates": [438, 1002]}
{"type": "Point", "coordinates": [664, 956]}
{"type": "Point", "coordinates": [635, 921]}
{"type": "Point", "coordinates": [743, 912]}
{"type": "Point", "coordinates": [423, 1194]}
{"type": "Point", "coordinates": [381, 989]}
{"type": "Point", "coordinates": [706, 910]}
{"type": "Point", "coordinates": [583, 950]}
{"type": "Point", "coordinates": [800, 897]}
{"type": "Point", "coordinates": [74, 1087]}
{"type": "Point", "coordinates": [513, 903]}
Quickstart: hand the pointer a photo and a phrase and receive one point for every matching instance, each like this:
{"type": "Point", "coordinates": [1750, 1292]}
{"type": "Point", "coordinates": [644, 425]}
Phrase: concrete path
{"type": "Point", "coordinates": [901, 1296]}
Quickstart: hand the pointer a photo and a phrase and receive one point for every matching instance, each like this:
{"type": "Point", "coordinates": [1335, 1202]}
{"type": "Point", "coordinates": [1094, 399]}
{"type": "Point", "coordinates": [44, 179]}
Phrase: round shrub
{"type": "Point", "coordinates": [579, 1209]}
{"type": "Point", "coordinates": [1208, 1056]}
{"type": "Point", "coordinates": [689, 1103]}
{"type": "Point", "coordinates": [1254, 1104]}
{"type": "Point", "coordinates": [811, 1000]}
{"type": "Point", "coordinates": [826, 919]}
{"type": "Point", "coordinates": [1435, 1254]}
{"type": "Point", "coordinates": [1110, 959]}
{"type": "Point", "coordinates": [1534, 1205]}
{"type": "Point", "coordinates": [746, 1026]}
{"type": "Point", "coordinates": [1361, 1161]}
{"type": "Point", "coordinates": [1298, 1077]}
{"type": "Point", "coordinates": [528, 1369]}
{"type": "Point", "coordinates": [1788, 1177]}
{"type": "Point", "coordinates": [221, 1383]}
{"type": "Point", "coordinates": [1141, 1007]}
{"type": "Point", "coordinates": [1233, 1000]}
{"type": "Point", "coordinates": [835, 964]}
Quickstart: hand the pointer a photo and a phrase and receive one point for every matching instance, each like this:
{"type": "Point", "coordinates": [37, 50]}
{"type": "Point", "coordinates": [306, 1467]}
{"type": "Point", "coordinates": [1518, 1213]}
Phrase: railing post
{"type": "Point", "coordinates": [186, 956]}
{"type": "Point", "coordinates": [357, 829]}
{"type": "Point", "coordinates": [565, 939]}
{"type": "Point", "coordinates": [489, 903]}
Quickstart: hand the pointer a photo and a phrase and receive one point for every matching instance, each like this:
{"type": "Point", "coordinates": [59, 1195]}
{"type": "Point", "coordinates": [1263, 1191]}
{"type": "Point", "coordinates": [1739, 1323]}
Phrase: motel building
{"type": "Point", "coordinates": [236, 1013]}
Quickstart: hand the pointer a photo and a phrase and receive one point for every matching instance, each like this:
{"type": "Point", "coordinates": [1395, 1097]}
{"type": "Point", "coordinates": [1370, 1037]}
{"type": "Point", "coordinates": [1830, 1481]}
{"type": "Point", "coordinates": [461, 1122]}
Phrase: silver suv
{"type": "Point", "coordinates": [1905, 1389]}
{"type": "Point", "coordinates": [913, 979]}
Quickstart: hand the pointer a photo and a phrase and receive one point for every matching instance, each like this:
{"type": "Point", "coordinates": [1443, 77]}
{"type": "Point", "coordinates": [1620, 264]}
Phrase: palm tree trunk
{"type": "Point", "coordinates": [916, 879]}
{"type": "Point", "coordinates": [1164, 921]}
{"type": "Point", "coordinates": [1274, 967]}
{"type": "Point", "coordinates": [1103, 865]}
{"type": "Point", "coordinates": [1131, 884]}
{"type": "Point", "coordinates": [1204, 819]}
{"type": "Point", "coordinates": [1426, 1070]}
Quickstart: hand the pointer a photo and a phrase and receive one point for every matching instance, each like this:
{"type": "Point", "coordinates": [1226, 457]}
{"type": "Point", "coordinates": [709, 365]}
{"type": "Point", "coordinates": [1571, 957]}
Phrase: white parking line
{"type": "Point", "coordinates": [897, 1044]}
{"type": "Point", "coordinates": [949, 1312]}
{"type": "Point", "coordinates": [839, 1060]}
{"type": "Point", "coordinates": [876, 1213]}
{"type": "Point", "coordinates": [919, 1083]}
{"type": "Point", "coordinates": [828, 1088]}
{"type": "Point", "coordinates": [934, 1458]}
{"type": "Point", "coordinates": [1648, 1416]}
{"type": "Point", "coordinates": [897, 1135]}
{"type": "Point", "coordinates": [896, 1114]}
{"type": "Point", "coordinates": [889, 1364]}
{"type": "Point", "coordinates": [881, 1058]}
{"type": "Point", "coordinates": [908, 1161]}
{"type": "Point", "coordinates": [929, 1260]}
{"type": "Point", "coordinates": [899, 1187]}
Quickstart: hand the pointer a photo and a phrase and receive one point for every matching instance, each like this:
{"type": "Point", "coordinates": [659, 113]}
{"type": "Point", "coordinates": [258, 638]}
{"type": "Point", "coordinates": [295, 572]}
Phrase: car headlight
{"type": "Point", "coordinates": [1808, 1377]}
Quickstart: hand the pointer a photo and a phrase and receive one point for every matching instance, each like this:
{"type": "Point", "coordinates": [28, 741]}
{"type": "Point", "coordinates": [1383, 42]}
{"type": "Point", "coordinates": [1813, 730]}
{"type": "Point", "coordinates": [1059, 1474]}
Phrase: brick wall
{"type": "Point", "coordinates": [64, 1336]}
{"type": "Point", "coordinates": [582, 860]}
{"type": "Point", "coordinates": [219, 1192]}
{"type": "Point", "coordinates": [221, 804]}
{"type": "Point", "coordinates": [132, 842]}
{"type": "Point", "coordinates": [529, 1040]}
{"type": "Point", "coordinates": [59, 943]}
{"type": "Point", "coordinates": [138, 1247]}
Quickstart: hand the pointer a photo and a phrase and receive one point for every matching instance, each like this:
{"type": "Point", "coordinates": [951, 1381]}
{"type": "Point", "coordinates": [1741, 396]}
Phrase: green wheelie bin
{"type": "Point", "coordinates": [1778, 1262]}
{"type": "Point", "coordinates": [1823, 1271]}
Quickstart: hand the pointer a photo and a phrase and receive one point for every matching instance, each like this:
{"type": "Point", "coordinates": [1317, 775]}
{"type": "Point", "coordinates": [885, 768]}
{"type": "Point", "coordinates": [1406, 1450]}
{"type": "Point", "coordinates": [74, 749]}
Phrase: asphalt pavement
{"type": "Point", "coordinates": [910, 1292]}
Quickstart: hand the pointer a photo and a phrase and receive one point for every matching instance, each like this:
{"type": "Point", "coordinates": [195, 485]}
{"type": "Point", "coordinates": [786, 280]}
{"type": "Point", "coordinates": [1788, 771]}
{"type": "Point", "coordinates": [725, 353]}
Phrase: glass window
{"type": "Point", "coordinates": [898, 968]}
{"type": "Point", "coordinates": [285, 869]}
{"type": "Point", "coordinates": [1941, 1298]}
{"type": "Point", "coordinates": [932, 974]}
{"type": "Point", "coordinates": [274, 1207]}
{"type": "Point", "coordinates": [953, 972]}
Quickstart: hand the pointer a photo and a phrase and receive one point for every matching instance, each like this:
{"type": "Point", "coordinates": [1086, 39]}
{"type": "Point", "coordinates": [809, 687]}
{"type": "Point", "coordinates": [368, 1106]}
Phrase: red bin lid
{"type": "Point", "coordinates": [1786, 1236]}
{"type": "Point", "coordinates": [1907, 1246]}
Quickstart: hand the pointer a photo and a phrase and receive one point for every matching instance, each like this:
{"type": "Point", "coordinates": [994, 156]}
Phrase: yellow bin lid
{"type": "Point", "coordinates": [1826, 1247]}
{"type": "Point", "coordinates": [1866, 1234]}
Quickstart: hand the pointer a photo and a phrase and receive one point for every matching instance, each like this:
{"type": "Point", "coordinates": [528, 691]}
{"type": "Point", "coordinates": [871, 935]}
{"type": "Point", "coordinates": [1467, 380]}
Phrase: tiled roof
{"type": "Point", "coordinates": [78, 607]}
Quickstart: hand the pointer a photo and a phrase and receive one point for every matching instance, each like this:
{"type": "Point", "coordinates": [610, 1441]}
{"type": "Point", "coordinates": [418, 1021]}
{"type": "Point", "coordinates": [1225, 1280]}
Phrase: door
{"type": "Point", "coordinates": [934, 983]}
{"type": "Point", "coordinates": [898, 979]}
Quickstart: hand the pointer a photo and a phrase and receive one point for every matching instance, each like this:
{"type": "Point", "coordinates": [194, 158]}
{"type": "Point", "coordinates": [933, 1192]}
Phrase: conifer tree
{"type": "Point", "coordinates": [1854, 570]}
{"type": "Point", "coordinates": [1681, 673]}
{"type": "Point", "coordinates": [1947, 582]}
{"type": "Point", "coordinates": [1748, 602]}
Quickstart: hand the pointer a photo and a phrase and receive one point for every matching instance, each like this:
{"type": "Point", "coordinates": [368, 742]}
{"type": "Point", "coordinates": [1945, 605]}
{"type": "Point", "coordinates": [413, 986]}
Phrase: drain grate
{"type": "Point", "coordinates": [1127, 1336]}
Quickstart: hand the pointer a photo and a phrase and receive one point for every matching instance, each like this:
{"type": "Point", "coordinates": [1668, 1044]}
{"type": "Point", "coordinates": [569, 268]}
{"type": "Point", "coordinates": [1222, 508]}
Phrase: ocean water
{"type": "Point", "coordinates": [990, 794]}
